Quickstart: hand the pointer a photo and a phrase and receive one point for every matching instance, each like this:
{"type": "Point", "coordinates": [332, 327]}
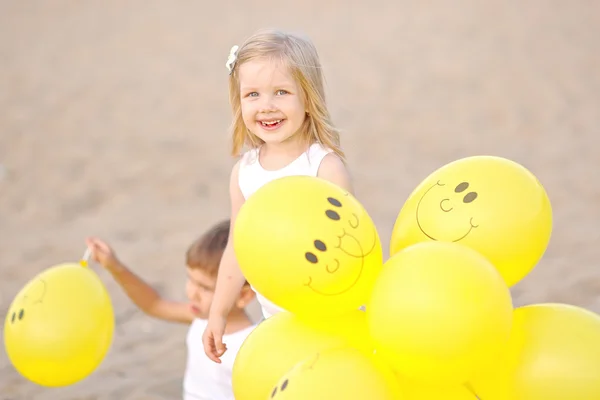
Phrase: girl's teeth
{"type": "Point", "coordinates": [271, 122]}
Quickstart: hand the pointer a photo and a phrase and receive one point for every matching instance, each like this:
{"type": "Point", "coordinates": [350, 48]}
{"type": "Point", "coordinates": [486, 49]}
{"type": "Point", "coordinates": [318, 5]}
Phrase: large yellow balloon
{"type": "Point", "coordinates": [285, 339]}
{"type": "Point", "coordinates": [341, 373]}
{"type": "Point", "coordinates": [555, 355]}
{"type": "Point", "coordinates": [439, 312]}
{"type": "Point", "coordinates": [308, 246]}
{"type": "Point", "coordinates": [418, 391]}
{"type": "Point", "coordinates": [60, 326]}
{"type": "Point", "coordinates": [490, 204]}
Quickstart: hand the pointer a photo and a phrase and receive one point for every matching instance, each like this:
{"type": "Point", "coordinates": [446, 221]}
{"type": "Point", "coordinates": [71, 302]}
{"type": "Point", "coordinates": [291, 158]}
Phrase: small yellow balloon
{"type": "Point", "coordinates": [60, 326]}
{"type": "Point", "coordinates": [285, 339]}
{"type": "Point", "coordinates": [308, 246]}
{"type": "Point", "coordinates": [341, 373]}
{"type": "Point", "coordinates": [555, 355]}
{"type": "Point", "coordinates": [439, 312]}
{"type": "Point", "coordinates": [490, 204]}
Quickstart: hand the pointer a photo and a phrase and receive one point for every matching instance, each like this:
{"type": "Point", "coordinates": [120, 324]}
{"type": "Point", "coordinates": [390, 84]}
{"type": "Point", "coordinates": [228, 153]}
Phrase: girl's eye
{"type": "Point", "coordinates": [252, 94]}
{"type": "Point", "coordinates": [281, 92]}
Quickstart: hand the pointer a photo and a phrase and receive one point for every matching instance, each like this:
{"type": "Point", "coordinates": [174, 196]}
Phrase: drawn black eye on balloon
{"type": "Point", "coordinates": [319, 245]}
{"type": "Point", "coordinates": [461, 187]}
{"type": "Point", "coordinates": [310, 257]}
{"type": "Point", "coordinates": [20, 315]}
{"type": "Point", "coordinates": [334, 202]}
{"type": "Point", "coordinates": [284, 386]}
{"type": "Point", "coordinates": [469, 197]}
{"type": "Point", "coordinates": [333, 214]}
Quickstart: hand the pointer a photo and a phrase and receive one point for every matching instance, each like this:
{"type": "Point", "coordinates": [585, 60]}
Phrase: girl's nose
{"type": "Point", "coordinates": [267, 105]}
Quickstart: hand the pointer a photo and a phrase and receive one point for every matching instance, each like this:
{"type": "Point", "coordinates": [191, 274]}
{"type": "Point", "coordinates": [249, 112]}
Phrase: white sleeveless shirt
{"type": "Point", "coordinates": [205, 379]}
{"type": "Point", "coordinates": [252, 176]}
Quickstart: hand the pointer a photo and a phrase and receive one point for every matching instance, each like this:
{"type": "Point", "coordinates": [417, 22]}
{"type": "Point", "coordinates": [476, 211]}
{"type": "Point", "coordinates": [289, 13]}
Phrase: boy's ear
{"type": "Point", "coordinates": [245, 297]}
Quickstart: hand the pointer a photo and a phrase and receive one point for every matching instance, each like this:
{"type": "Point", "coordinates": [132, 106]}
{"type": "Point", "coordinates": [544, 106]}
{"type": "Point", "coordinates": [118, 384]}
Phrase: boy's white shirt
{"type": "Point", "coordinates": [205, 379]}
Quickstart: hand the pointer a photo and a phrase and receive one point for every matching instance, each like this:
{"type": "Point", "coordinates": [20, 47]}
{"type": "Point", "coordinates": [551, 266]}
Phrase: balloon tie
{"type": "Point", "coordinates": [86, 257]}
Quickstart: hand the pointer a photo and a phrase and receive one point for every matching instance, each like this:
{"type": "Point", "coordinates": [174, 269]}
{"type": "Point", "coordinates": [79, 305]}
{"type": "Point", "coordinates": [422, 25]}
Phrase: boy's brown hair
{"type": "Point", "coordinates": [206, 251]}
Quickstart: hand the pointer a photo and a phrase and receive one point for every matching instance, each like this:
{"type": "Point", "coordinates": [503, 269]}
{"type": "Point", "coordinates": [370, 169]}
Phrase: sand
{"type": "Point", "coordinates": [114, 117]}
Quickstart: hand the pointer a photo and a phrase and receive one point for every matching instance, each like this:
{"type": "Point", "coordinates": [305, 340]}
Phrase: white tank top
{"type": "Point", "coordinates": [252, 176]}
{"type": "Point", "coordinates": [205, 379]}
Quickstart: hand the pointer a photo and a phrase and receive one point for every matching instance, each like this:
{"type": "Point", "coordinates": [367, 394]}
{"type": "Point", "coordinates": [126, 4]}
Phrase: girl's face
{"type": "Point", "coordinates": [272, 101]}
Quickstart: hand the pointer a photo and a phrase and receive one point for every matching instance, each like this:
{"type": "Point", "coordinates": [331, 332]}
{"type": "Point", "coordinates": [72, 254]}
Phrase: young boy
{"type": "Point", "coordinates": [204, 379]}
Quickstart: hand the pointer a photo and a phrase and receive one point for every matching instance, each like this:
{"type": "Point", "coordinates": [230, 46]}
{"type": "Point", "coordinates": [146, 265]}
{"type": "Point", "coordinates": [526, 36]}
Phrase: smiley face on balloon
{"type": "Point", "coordinates": [491, 204]}
{"type": "Point", "coordinates": [307, 245]}
{"type": "Point", "coordinates": [339, 373]}
{"type": "Point", "coordinates": [24, 303]}
{"type": "Point", "coordinates": [455, 208]}
{"type": "Point", "coordinates": [348, 246]}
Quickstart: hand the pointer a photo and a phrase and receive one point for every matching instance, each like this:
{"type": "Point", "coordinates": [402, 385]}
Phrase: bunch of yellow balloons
{"type": "Point", "coordinates": [60, 325]}
{"type": "Point", "coordinates": [439, 321]}
{"type": "Point", "coordinates": [311, 248]}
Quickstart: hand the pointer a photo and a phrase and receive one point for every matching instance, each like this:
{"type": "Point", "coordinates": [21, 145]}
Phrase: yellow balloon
{"type": "Point", "coordinates": [439, 311]}
{"type": "Point", "coordinates": [340, 373]}
{"type": "Point", "coordinates": [490, 204]}
{"type": "Point", "coordinates": [419, 391]}
{"type": "Point", "coordinates": [555, 355]}
{"type": "Point", "coordinates": [308, 246]}
{"type": "Point", "coordinates": [497, 374]}
{"type": "Point", "coordinates": [285, 339]}
{"type": "Point", "coordinates": [60, 326]}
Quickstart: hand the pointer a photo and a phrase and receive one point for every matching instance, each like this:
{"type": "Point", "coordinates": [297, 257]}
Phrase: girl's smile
{"type": "Point", "coordinates": [271, 125]}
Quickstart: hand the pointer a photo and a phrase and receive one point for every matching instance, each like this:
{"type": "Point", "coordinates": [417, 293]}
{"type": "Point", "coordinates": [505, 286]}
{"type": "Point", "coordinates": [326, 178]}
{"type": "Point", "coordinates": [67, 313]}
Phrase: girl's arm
{"type": "Point", "coordinates": [230, 281]}
{"type": "Point", "coordinates": [333, 169]}
{"type": "Point", "coordinates": [139, 292]}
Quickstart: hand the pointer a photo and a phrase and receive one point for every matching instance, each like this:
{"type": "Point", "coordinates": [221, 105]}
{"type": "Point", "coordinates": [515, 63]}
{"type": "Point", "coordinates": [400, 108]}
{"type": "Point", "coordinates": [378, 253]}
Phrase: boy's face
{"type": "Point", "coordinates": [200, 289]}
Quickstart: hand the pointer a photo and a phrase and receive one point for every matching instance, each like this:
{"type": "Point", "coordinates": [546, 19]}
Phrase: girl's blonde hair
{"type": "Point", "coordinates": [301, 57]}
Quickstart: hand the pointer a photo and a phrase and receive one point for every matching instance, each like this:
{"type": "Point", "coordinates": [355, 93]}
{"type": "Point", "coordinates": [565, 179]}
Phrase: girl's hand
{"type": "Point", "coordinates": [102, 253]}
{"type": "Point", "coordinates": [212, 339]}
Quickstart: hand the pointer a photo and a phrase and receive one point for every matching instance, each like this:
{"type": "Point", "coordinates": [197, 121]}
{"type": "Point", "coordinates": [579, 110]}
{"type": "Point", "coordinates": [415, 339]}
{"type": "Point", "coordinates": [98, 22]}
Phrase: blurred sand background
{"type": "Point", "coordinates": [114, 117]}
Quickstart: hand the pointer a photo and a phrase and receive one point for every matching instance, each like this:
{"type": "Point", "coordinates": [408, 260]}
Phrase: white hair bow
{"type": "Point", "coordinates": [232, 58]}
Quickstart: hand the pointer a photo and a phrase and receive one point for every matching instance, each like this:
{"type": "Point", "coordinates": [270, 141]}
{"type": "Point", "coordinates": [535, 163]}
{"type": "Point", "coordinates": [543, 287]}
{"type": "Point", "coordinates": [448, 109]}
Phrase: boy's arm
{"type": "Point", "coordinates": [148, 299]}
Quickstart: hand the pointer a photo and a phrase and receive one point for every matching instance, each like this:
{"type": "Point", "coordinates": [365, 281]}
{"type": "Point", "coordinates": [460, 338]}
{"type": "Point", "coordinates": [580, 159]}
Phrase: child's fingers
{"type": "Point", "coordinates": [90, 242]}
{"type": "Point", "coordinates": [94, 244]}
{"type": "Point", "coordinates": [97, 247]}
{"type": "Point", "coordinates": [210, 348]}
{"type": "Point", "coordinates": [219, 346]}
{"type": "Point", "coordinates": [102, 246]}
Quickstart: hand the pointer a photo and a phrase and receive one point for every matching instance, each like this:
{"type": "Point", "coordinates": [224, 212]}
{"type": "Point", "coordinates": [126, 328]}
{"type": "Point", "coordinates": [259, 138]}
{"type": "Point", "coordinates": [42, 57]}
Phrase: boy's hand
{"type": "Point", "coordinates": [102, 253]}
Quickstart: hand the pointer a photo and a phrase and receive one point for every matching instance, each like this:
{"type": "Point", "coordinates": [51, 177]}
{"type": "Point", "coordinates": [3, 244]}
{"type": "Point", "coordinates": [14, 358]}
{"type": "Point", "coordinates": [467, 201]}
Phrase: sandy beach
{"type": "Point", "coordinates": [114, 119]}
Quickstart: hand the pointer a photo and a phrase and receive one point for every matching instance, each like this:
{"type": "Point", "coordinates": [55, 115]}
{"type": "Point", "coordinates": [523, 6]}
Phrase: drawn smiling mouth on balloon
{"type": "Point", "coordinates": [446, 206]}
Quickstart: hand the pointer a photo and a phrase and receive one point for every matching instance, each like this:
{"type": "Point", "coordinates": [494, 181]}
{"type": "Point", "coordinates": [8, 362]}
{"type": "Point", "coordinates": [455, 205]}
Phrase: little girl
{"type": "Point", "coordinates": [277, 97]}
